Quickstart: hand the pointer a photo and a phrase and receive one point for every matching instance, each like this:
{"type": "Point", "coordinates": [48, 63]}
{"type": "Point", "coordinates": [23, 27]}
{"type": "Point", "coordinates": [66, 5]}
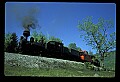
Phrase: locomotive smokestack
{"type": "Point", "coordinates": [29, 21]}
{"type": "Point", "coordinates": [26, 33]}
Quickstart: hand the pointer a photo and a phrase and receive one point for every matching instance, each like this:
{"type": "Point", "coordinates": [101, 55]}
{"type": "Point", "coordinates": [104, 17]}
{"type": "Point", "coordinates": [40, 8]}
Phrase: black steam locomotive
{"type": "Point", "coordinates": [52, 49]}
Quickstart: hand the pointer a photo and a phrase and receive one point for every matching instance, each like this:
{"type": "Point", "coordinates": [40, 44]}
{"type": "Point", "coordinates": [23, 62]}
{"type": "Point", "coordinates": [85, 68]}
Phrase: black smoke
{"type": "Point", "coordinates": [30, 21]}
{"type": "Point", "coordinates": [27, 15]}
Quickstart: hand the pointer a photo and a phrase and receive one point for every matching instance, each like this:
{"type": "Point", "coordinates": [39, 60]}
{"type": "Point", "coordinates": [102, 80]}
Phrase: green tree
{"type": "Point", "coordinates": [11, 42]}
{"type": "Point", "coordinates": [42, 36]}
{"type": "Point", "coordinates": [39, 36]}
{"type": "Point", "coordinates": [90, 52]}
{"type": "Point", "coordinates": [73, 46]}
{"type": "Point", "coordinates": [35, 35]}
{"type": "Point", "coordinates": [52, 38]}
{"type": "Point", "coordinates": [79, 49]}
{"type": "Point", "coordinates": [7, 41]}
{"type": "Point", "coordinates": [97, 35]}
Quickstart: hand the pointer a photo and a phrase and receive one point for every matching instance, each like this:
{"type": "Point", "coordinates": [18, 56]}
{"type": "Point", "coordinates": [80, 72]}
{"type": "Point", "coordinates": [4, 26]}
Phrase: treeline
{"type": "Point", "coordinates": [12, 41]}
{"type": "Point", "coordinates": [38, 36]}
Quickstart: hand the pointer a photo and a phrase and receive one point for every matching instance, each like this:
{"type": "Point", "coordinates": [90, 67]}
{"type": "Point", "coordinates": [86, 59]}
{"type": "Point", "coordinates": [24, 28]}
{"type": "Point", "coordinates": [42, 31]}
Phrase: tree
{"type": "Point", "coordinates": [97, 35]}
{"type": "Point", "coordinates": [79, 49]}
{"type": "Point", "coordinates": [11, 42]}
{"type": "Point", "coordinates": [52, 38]}
{"type": "Point", "coordinates": [39, 36]}
{"type": "Point", "coordinates": [42, 36]}
{"type": "Point", "coordinates": [90, 52]}
{"type": "Point", "coordinates": [73, 46]}
{"type": "Point", "coordinates": [7, 41]}
{"type": "Point", "coordinates": [35, 35]}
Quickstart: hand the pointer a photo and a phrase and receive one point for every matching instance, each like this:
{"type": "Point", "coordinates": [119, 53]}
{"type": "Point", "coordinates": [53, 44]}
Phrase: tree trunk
{"type": "Point", "coordinates": [102, 60]}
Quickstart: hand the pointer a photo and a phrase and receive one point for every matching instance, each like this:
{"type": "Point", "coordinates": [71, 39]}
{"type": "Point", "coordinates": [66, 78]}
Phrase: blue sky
{"type": "Point", "coordinates": [58, 19]}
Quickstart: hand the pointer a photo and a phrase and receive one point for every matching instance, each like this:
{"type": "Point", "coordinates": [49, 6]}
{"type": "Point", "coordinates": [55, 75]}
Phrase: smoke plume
{"type": "Point", "coordinates": [27, 16]}
{"type": "Point", "coordinates": [30, 21]}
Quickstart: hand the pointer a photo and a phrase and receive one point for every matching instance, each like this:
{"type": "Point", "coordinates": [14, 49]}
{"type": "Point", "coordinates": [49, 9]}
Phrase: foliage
{"type": "Point", "coordinates": [35, 35]}
{"type": "Point", "coordinates": [7, 41]}
{"type": "Point", "coordinates": [40, 36]}
{"type": "Point", "coordinates": [79, 49]}
{"type": "Point", "coordinates": [11, 42]}
{"type": "Point", "coordinates": [73, 46]}
{"type": "Point", "coordinates": [110, 61]}
{"type": "Point", "coordinates": [90, 52]}
{"type": "Point", "coordinates": [88, 65]}
{"type": "Point", "coordinates": [97, 35]}
{"type": "Point", "coordinates": [52, 38]}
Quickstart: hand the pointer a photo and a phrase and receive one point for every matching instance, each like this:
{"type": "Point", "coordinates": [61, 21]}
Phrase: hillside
{"type": "Point", "coordinates": [109, 61]}
{"type": "Point", "coordinates": [24, 65]}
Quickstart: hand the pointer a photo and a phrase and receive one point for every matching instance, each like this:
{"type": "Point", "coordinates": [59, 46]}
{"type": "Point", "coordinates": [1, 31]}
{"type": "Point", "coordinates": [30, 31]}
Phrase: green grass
{"type": "Point", "coordinates": [56, 72]}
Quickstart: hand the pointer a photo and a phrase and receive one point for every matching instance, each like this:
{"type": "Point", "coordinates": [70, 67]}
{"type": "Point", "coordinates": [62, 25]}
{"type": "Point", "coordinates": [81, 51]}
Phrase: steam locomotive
{"type": "Point", "coordinates": [53, 49]}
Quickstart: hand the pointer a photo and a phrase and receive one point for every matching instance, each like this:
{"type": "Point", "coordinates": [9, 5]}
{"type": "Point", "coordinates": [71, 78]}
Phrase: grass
{"type": "Point", "coordinates": [56, 72]}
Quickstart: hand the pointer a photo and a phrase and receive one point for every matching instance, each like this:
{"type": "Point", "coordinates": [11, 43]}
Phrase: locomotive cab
{"type": "Point", "coordinates": [55, 48]}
